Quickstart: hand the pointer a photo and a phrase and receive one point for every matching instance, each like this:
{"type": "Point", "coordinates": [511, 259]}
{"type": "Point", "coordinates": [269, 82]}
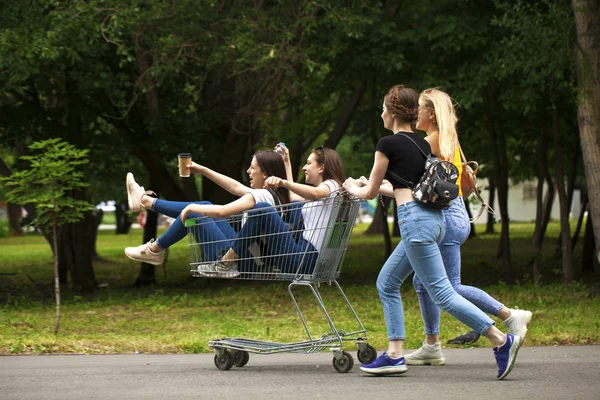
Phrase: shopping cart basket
{"type": "Point", "coordinates": [265, 252]}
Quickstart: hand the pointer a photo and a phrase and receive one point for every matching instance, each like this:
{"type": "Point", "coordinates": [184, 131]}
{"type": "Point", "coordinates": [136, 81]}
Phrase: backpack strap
{"type": "Point", "coordinates": [395, 175]}
{"type": "Point", "coordinates": [483, 205]}
{"type": "Point", "coordinates": [402, 180]}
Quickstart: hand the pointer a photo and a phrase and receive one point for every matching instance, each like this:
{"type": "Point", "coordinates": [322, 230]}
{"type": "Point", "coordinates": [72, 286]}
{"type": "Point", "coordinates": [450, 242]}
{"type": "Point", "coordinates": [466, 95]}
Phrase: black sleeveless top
{"type": "Point", "coordinates": [405, 159]}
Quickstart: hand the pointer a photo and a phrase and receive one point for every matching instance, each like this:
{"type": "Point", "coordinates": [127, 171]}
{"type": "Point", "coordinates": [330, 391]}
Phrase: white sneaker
{"type": "Point", "coordinates": [219, 269]}
{"type": "Point", "coordinates": [144, 254]}
{"type": "Point", "coordinates": [428, 354]}
{"type": "Point", "coordinates": [517, 321]}
{"type": "Point", "coordinates": [135, 193]}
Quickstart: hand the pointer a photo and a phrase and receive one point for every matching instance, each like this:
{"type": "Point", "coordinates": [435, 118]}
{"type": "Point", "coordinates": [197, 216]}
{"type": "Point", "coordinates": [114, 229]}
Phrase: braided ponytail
{"type": "Point", "coordinates": [402, 103]}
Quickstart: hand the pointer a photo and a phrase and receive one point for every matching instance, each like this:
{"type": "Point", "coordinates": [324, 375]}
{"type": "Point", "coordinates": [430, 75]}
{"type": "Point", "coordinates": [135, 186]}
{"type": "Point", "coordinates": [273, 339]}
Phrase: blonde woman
{"type": "Point", "coordinates": [437, 117]}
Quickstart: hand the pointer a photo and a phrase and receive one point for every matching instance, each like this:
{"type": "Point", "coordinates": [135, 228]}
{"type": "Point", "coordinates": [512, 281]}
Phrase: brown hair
{"type": "Point", "coordinates": [272, 164]}
{"type": "Point", "coordinates": [332, 162]}
{"type": "Point", "coordinates": [402, 103]}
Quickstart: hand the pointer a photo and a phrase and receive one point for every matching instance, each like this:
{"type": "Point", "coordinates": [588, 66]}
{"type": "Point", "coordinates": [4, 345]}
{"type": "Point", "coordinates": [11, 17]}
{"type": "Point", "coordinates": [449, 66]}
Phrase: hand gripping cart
{"type": "Point", "coordinates": [301, 242]}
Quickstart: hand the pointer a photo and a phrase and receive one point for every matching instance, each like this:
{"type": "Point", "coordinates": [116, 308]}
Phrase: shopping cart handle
{"type": "Point", "coordinates": [190, 222]}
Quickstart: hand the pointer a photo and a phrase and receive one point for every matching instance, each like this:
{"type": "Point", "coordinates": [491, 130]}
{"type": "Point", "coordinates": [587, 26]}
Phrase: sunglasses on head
{"type": "Point", "coordinates": [322, 149]}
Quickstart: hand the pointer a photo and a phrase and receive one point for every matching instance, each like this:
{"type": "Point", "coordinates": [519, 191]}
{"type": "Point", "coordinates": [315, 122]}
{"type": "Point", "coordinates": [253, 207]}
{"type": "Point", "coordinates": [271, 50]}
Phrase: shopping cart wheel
{"type": "Point", "coordinates": [224, 361]}
{"type": "Point", "coordinates": [344, 363]}
{"type": "Point", "coordinates": [240, 358]}
{"type": "Point", "coordinates": [368, 355]}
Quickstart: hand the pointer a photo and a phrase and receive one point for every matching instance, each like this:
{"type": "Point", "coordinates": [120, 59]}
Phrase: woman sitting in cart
{"type": "Point", "coordinates": [324, 174]}
{"type": "Point", "coordinates": [217, 233]}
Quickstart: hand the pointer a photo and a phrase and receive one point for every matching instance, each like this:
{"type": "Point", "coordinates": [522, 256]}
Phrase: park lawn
{"type": "Point", "coordinates": [181, 314]}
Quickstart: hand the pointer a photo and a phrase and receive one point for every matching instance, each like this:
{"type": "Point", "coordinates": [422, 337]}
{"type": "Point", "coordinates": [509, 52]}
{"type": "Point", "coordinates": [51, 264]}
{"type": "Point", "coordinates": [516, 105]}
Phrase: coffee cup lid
{"type": "Point", "coordinates": [184, 155]}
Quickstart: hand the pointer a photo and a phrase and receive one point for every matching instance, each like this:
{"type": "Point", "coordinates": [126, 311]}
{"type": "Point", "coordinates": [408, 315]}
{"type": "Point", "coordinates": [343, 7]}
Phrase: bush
{"type": "Point", "coordinates": [4, 229]}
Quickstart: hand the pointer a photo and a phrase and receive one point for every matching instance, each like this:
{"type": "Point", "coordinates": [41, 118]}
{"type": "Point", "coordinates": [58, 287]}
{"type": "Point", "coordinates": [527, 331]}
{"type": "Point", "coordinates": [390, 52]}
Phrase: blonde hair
{"type": "Point", "coordinates": [445, 116]}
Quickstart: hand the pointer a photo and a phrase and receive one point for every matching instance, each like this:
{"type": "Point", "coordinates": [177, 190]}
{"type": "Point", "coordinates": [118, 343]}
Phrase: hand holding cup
{"type": "Point", "coordinates": [185, 159]}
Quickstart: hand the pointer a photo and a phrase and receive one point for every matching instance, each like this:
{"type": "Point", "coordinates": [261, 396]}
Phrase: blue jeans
{"type": "Point", "coordinates": [458, 227]}
{"type": "Point", "coordinates": [291, 253]}
{"type": "Point", "coordinates": [214, 235]}
{"type": "Point", "coordinates": [422, 229]}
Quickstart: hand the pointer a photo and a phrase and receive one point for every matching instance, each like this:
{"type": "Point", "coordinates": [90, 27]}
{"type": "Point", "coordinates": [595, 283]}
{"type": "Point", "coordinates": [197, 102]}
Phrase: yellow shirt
{"type": "Point", "coordinates": [458, 163]}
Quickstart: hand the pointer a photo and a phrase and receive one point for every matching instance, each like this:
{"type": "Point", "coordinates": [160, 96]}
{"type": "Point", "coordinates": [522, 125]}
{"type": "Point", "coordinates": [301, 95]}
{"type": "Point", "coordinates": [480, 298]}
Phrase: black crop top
{"type": "Point", "coordinates": [405, 159]}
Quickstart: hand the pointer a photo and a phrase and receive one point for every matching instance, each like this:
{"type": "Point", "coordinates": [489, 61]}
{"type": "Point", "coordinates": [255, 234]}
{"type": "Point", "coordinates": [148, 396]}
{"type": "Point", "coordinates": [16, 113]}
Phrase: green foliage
{"type": "Point", "coordinates": [235, 76]}
{"type": "Point", "coordinates": [4, 230]}
{"type": "Point", "coordinates": [49, 182]}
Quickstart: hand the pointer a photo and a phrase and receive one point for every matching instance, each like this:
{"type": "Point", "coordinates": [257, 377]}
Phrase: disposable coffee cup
{"type": "Point", "coordinates": [184, 160]}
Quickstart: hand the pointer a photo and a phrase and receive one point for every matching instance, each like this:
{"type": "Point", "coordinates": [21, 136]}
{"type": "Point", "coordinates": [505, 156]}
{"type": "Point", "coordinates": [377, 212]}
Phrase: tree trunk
{"type": "Point", "coordinates": [345, 115]}
{"type": "Point", "coordinates": [14, 212]}
{"type": "Point", "coordinates": [190, 190]}
{"type": "Point", "coordinates": [571, 177]}
{"type": "Point", "coordinates": [577, 233]}
{"type": "Point", "coordinates": [587, 257]}
{"type": "Point", "coordinates": [379, 225]}
{"type": "Point", "coordinates": [75, 250]}
{"type": "Point", "coordinates": [565, 229]}
{"type": "Point", "coordinates": [98, 215]}
{"type": "Point", "coordinates": [147, 274]}
{"type": "Point", "coordinates": [540, 226]}
{"type": "Point", "coordinates": [77, 241]}
{"type": "Point", "coordinates": [489, 226]}
{"type": "Point", "coordinates": [56, 281]}
{"type": "Point", "coordinates": [123, 219]}
{"type": "Point", "coordinates": [498, 137]}
{"type": "Point", "coordinates": [587, 21]}
{"type": "Point", "coordinates": [548, 202]}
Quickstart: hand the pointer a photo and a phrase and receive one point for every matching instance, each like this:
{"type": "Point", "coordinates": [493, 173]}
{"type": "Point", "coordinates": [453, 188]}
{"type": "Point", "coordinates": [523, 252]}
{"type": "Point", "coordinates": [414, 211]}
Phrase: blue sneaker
{"type": "Point", "coordinates": [384, 365]}
{"type": "Point", "coordinates": [506, 355]}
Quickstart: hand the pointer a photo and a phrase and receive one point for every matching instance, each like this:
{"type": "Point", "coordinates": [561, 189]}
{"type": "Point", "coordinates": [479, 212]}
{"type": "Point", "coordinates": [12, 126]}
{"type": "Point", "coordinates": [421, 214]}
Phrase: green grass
{"type": "Point", "coordinates": [109, 218]}
{"type": "Point", "coordinates": [180, 314]}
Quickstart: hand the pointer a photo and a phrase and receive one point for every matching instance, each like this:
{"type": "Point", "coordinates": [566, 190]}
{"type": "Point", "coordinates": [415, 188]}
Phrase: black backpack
{"type": "Point", "coordinates": [437, 187]}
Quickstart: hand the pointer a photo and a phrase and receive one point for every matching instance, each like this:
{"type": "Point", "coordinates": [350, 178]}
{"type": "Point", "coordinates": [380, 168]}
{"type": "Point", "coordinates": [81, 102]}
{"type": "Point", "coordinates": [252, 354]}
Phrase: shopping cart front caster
{"type": "Point", "coordinates": [367, 355]}
{"type": "Point", "coordinates": [344, 362]}
{"type": "Point", "coordinates": [240, 358]}
{"type": "Point", "coordinates": [224, 360]}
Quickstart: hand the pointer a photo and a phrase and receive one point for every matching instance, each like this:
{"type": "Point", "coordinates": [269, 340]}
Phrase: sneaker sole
{"type": "Point", "coordinates": [384, 370]}
{"type": "Point", "coordinates": [134, 258]}
{"type": "Point", "coordinates": [512, 358]}
{"type": "Point", "coordinates": [226, 275]}
{"type": "Point", "coordinates": [425, 362]}
{"type": "Point", "coordinates": [129, 197]}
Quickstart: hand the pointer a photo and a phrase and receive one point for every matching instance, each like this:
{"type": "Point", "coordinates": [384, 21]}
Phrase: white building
{"type": "Point", "coordinates": [522, 202]}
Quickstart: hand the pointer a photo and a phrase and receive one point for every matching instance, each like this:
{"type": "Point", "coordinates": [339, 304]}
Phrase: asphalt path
{"type": "Point", "coordinates": [561, 372]}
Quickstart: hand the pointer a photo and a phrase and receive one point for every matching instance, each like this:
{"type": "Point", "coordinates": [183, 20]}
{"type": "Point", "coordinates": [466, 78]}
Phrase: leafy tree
{"type": "Point", "coordinates": [49, 182]}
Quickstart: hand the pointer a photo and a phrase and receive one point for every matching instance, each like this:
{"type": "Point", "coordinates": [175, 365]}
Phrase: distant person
{"type": "Point", "coordinates": [264, 164]}
{"type": "Point", "coordinates": [422, 230]}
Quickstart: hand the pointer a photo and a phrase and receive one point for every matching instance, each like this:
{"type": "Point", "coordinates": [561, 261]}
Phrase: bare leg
{"type": "Point", "coordinates": [395, 348]}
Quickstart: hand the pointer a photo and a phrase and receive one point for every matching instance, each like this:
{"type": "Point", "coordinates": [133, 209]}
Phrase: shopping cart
{"type": "Point", "coordinates": [262, 239]}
